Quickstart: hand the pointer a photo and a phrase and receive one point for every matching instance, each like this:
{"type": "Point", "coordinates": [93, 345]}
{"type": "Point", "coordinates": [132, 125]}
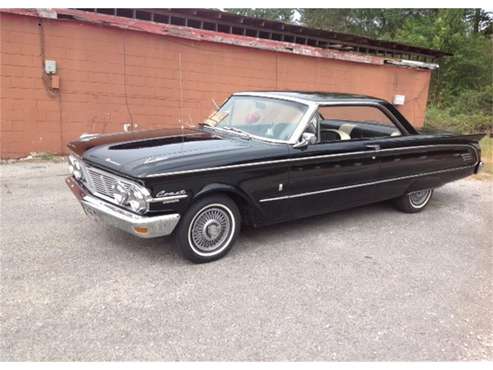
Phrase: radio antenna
{"type": "Point", "coordinates": [215, 104]}
{"type": "Point", "coordinates": [180, 78]}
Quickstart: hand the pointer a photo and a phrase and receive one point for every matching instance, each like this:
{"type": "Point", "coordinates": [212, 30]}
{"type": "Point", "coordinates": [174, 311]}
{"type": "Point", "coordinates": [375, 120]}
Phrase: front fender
{"type": "Point", "coordinates": [224, 188]}
{"type": "Point", "coordinates": [238, 195]}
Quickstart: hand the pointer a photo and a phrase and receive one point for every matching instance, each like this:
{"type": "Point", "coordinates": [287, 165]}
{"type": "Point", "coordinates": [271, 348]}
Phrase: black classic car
{"type": "Point", "coordinates": [263, 158]}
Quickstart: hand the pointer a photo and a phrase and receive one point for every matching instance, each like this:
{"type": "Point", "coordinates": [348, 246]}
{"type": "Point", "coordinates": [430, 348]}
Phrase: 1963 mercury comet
{"type": "Point", "coordinates": [262, 158]}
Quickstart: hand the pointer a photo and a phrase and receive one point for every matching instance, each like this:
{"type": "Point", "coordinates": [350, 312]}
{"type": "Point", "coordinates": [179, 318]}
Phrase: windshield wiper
{"type": "Point", "coordinates": [237, 130]}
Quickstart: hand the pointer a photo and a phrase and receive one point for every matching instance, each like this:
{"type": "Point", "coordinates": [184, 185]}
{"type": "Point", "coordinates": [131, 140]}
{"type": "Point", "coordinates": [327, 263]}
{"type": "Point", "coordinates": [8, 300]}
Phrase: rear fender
{"type": "Point", "coordinates": [426, 183]}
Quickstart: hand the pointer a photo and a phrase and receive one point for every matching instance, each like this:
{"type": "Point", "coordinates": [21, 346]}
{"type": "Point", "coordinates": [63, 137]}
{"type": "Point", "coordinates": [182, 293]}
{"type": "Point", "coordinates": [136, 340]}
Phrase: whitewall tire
{"type": "Point", "coordinates": [209, 229]}
{"type": "Point", "coordinates": [414, 201]}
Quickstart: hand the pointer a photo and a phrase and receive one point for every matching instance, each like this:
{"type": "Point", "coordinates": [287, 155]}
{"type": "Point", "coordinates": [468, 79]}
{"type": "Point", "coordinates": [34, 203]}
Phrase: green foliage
{"type": "Point", "coordinates": [375, 23]}
{"type": "Point", "coordinates": [480, 101]}
{"type": "Point", "coordinates": [281, 15]}
{"type": "Point", "coordinates": [470, 67]}
{"type": "Point", "coordinates": [461, 91]}
{"type": "Point", "coordinates": [464, 122]}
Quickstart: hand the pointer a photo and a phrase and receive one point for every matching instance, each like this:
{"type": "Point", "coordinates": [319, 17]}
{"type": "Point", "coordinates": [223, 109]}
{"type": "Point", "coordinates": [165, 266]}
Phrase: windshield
{"type": "Point", "coordinates": [268, 118]}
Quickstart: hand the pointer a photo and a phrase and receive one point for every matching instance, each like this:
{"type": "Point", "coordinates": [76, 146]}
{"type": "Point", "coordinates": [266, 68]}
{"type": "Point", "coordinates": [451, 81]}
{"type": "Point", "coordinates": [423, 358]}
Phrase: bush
{"type": "Point", "coordinates": [470, 112]}
{"type": "Point", "coordinates": [474, 101]}
{"type": "Point", "coordinates": [464, 123]}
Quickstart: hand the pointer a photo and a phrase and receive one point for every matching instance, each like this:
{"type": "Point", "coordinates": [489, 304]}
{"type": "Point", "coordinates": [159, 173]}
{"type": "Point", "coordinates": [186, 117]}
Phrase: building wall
{"type": "Point", "coordinates": [110, 76]}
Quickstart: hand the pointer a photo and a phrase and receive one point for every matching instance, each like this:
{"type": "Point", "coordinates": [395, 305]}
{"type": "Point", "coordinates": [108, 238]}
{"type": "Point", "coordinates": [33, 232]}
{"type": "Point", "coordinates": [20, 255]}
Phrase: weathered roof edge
{"type": "Point", "coordinates": [203, 35]}
{"type": "Point", "coordinates": [306, 31]}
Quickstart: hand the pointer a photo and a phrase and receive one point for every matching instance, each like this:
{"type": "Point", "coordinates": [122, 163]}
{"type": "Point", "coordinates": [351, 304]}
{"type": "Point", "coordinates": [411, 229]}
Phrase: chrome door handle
{"type": "Point", "coordinates": [373, 146]}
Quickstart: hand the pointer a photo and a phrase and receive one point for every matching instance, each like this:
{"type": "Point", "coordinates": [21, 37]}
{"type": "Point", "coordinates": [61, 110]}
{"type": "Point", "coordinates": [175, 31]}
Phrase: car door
{"type": "Point", "coordinates": [331, 176]}
{"type": "Point", "coordinates": [342, 169]}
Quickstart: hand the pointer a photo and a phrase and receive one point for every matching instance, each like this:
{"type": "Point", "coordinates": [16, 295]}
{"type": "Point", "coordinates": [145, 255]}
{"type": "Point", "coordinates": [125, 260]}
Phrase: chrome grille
{"type": "Point", "coordinates": [101, 182]}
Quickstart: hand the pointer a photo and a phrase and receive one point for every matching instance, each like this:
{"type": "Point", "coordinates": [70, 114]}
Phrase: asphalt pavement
{"type": "Point", "coordinates": [365, 284]}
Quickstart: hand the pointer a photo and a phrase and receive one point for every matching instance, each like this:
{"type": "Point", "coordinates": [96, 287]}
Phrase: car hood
{"type": "Point", "coordinates": [143, 153]}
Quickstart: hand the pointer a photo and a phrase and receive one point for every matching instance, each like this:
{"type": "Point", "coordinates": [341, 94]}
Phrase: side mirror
{"type": "Point", "coordinates": [307, 138]}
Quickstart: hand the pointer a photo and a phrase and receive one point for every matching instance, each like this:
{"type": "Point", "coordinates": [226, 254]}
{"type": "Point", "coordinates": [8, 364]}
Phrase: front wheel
{"type": "Point", "coordinates": [414, 201]}
{"type": "Point", "coordinates": [209, 229]}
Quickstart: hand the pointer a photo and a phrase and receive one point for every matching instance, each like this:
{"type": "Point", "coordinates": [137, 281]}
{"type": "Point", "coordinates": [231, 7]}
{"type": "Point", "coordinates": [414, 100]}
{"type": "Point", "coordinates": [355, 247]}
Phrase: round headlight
{"type": "Point", "coordinates": [132, 196]}
{"type": "Point", "coordinates": [137, 199]}
{"type": "Point", "coordinates": [120, 193]}
{"type": "Point", "coordinates": [74, 167]}
{"type": "Point", "coordinates": [71, 159]}
{"type": "Point", "coordinates": [77, 174]}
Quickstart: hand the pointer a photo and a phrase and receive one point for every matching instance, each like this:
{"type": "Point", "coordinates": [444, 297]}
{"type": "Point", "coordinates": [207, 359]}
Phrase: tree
{"type": "Point", "coordinates": [374, 23]}
{"type": "Point", "coordinates": [466, 76]}
{"type": "Point", "coordinates": [454, 31]}
{"type": "Point", "coordinates": [461, 91]}
{"type": "Point", "coordinates": [479, 19]}
{"type": "Point", "coordinates": [279, 14]}
{"type": "Point", "coordinates": [462, 32]}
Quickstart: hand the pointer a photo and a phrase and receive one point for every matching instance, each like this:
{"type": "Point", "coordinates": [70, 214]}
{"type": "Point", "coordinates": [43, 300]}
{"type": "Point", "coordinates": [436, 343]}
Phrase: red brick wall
{"type": "Point", "coordinates": [95, 95]}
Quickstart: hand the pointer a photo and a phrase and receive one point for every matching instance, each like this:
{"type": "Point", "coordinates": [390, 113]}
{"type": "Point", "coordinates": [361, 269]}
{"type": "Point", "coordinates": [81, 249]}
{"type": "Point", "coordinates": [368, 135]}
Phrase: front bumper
{"type": "Point", "coordinates": [141, 226]}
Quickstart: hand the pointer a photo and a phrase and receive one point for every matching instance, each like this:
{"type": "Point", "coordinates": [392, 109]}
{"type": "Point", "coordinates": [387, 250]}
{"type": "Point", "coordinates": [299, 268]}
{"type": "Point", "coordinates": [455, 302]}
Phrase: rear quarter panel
{"type": "Point", "coordinates": [424, 161]}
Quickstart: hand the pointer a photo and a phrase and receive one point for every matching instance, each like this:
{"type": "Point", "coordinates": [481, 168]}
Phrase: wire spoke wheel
{"type": "Point", "coordinates": [419, 198]}
{"type": "Point", "coordinates": [211, 229]}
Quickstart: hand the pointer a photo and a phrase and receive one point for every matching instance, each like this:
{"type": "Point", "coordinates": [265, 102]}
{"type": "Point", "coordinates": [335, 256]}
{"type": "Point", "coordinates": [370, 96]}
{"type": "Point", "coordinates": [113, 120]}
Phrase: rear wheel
{"type": "Point", "coordinates": [414, 201]}
{"type": "Point", "coordinates": [209, 229]}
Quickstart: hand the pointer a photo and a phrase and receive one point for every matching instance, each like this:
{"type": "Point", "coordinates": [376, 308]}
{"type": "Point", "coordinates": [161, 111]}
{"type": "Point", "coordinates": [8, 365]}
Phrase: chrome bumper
{"type": "Point", "coordinates": [141, 226]}
{"type": "Point", "coordinates": [479, 167]}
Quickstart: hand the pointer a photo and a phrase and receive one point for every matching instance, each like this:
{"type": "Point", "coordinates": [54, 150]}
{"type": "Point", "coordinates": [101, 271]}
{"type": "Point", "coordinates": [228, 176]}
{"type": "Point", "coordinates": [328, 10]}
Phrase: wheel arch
{"type": "Point", "coordinates": [245, 204]}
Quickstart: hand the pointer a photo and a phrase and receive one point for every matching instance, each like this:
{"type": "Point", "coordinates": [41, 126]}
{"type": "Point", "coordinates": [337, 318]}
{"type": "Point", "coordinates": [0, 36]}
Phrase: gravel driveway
{"type": "Point", "coordinates": [366, 284]}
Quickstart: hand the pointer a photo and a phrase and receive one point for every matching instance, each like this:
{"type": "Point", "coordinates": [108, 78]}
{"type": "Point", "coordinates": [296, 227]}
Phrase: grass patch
{"type": "Point", "coordinates": [46, 156]}
{"type": "Point", "coordinates": [486, 144]}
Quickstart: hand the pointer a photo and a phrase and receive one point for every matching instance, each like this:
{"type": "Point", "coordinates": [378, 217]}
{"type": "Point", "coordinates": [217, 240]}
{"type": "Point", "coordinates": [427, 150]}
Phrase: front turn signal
{"type": "Point", "coordinates": [141, 230]}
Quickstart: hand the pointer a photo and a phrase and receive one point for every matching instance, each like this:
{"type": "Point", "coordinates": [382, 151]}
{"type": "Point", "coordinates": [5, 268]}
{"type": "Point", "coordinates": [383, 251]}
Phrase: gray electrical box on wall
{"type": "Point", "coordinates": [50, 67]}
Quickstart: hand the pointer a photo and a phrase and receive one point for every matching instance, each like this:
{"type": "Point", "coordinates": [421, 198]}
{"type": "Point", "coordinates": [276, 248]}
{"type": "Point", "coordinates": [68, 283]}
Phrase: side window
{"type": "Point", "coordinates": [353, 123]}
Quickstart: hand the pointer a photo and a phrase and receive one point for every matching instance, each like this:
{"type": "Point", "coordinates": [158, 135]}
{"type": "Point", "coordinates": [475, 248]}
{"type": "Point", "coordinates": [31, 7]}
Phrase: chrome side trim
{"type": "Point", "coordinates": [169, 198]}
{"type": "Point", "coordinates": [363, 184]}
{"type": "Point", "coordinates": [323, 156]}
